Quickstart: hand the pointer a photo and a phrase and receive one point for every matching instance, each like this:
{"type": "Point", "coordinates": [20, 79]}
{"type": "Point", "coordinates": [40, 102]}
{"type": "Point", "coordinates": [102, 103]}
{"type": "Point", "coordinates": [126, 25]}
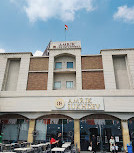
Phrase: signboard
{"type": "Point", "coordinates": [116, 138]}
{"type": "Point", "coordinates": [65, 45]}
{"type": "Point", "coordinates": [79, 103]}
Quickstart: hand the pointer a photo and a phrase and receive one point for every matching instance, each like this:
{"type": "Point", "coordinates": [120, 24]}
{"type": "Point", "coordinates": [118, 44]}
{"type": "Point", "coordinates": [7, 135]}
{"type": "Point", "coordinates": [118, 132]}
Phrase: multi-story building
{"type": "Point", "coordinates": [64, 91]}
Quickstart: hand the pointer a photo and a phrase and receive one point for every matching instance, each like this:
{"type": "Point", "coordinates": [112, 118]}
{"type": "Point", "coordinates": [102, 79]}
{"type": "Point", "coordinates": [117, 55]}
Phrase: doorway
{"type": "Point", "coordinates": [103, 129]}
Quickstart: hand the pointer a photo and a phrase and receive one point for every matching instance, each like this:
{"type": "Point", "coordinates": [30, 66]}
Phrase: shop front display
{"type": "Point", "coordinates": [45, 128]}
{"type": "Point", "coordinates": [14, 130]}
{"type": "Point", "coordinates": [102, 129]}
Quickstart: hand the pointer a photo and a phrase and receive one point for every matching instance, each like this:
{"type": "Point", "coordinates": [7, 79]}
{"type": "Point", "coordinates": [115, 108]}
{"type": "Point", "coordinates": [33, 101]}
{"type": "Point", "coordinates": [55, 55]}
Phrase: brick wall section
{"type": "Point", "coordinates": [92, 80]}
{"type": "Point", "coordinates": [91, 62]}
{"type": "Point", "coordinates": [37, 81]}
{"type": "Point", "coordinates": [39, 64]}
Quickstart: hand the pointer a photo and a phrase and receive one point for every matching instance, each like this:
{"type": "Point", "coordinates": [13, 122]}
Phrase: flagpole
{"type": "Point", "coordinates": [65, 34]}
{"type": "Point", "coordinates": [66, 27]}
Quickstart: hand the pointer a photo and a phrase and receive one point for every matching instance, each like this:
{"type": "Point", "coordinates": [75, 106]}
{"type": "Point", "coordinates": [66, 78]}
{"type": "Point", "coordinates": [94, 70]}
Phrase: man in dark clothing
{"type": "Point", "coordinates": [59, 144]}
{"type": "Point", "coordinates": [94, 144]}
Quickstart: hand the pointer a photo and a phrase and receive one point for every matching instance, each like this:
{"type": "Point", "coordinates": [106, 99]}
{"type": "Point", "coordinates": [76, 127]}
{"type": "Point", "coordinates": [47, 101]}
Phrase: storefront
{"type": "Point", "coordinates": [103, 127]}
{"type": "Point", "coordinates": [76, 118]}
{"type": "Point", "coordinates": [13, 128]}
{"type": "Point", "coordinates": [70, 117]}
{"type": "Point", "coordinates": [50, 125]}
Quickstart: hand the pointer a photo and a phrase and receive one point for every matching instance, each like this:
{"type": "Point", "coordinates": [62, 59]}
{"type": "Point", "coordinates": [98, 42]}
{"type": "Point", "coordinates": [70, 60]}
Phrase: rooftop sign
{"type": "Point", "coordinates": [65, 45]}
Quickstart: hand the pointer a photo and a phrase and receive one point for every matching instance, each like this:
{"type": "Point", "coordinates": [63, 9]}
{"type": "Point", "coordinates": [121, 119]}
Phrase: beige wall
{"type": "Point", "coordinates": [11, 78]}
{"type": "Point", "coordinates": [23, 72]}
{"type": "Point", "coordinates": [47, 104]}
{"type": "Point", "coordinates": [116, 101]}
{"type": "Point", "coordinates": [76, 52]}
{"type": "Point", "coordinates": [108, 68]}
{"type": "Point", "coordinates": [65, 77]}
{"type": "Point", "coordinates": [121, 73]}
{"type": "Point", "coordinates": [64, 59]}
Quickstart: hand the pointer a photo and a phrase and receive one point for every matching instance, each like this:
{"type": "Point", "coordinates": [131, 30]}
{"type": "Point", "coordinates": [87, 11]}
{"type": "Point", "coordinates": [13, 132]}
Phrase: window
{"type": "Point", "coordinates": [57, 84]}
{"type": "Point", "coordinates": [58, 65]}
{"type": "Point", "coordinates": [69, 84]}
{"type": "Point", "coordinates": [69, 64]}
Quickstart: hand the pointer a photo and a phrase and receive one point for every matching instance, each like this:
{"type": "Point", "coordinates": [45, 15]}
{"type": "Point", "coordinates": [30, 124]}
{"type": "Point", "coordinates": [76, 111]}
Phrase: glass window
{"type": "Point", "coordinates": [69, 64]}
{"type": "Point", "coordinates": [58, 65]}
{"type": "Point", "coordinates": [57, 84]}
{"type": "Point", "coordinates": [24, 126]}
{"type": "Point", "coordinates": [69, 84]}
{"type": "Point", "coordinates": [64, 126]}
{"type": "Point", "coordinates": [41, 127]}
{"type": "Point", "coordinates": [10, 132]}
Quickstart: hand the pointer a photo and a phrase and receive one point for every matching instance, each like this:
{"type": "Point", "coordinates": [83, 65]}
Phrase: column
{"type": "Point", "coordinates": [50, 72]}
{"type": "Point", "coordinates": [125, 133]}
{"type": "Point", "coordinates": [78, 71]}
{"type": "Point", "coordinates": [30, 131]}
{"type": "Point", "coordinates": [77, 133]}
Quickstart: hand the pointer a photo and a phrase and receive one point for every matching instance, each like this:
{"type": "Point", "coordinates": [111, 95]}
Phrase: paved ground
{"type": "Point", "coordinates": [92, 152]}
{"type": "Point", "coordinates": [97, 152]}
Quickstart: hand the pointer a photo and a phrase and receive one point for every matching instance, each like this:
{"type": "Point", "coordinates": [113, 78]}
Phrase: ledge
{"type": "Point", "coordinates": [90, 70]}
{"type": "Point", "coordinates": [38, 71]}
{"type": "Point", "coordinates": [65, 71]}
{"type": "Point", "coordinates": [68, 93]}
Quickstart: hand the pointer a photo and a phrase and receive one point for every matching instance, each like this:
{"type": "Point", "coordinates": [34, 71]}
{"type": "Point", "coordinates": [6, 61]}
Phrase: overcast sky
{"type": "Point", "coordinates": [29, 25]}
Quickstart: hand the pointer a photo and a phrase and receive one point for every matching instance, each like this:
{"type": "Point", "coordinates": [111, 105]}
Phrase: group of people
{"type": "Point", "coordinates": [56, 143]}
{"type": "Point", "coordinates": [113, 145]}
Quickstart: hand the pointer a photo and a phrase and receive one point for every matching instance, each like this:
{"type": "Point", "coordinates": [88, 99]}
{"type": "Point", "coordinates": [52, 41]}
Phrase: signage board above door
{"type": "Point", "coordinates": [79, 103]}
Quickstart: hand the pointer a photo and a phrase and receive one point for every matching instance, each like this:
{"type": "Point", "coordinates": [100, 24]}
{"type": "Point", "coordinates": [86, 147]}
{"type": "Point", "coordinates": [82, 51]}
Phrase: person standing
{"type": "Point", "coordinates": [112, 143]}
{"type": "Point", "coordinates": [116, 148]}
{"type": "Point", "coordinates": [94, 144]}
{"type": "Point", "coordinates": [113, 148]}
{"type": "Point", "coordinates": [59, 143]}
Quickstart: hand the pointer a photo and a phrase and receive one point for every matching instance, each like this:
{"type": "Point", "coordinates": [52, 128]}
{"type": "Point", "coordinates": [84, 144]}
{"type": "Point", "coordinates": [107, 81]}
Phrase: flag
{"type": "Point", "coordinates": [90, 122]}
{"type": "Point", "coordinates": [12, 121]}
{"type": "Point", "coordinates": [66, 27]}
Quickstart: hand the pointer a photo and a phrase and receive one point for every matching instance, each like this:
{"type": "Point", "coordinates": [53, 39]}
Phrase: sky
{"type": "Point", "coordinates": [29, 25]}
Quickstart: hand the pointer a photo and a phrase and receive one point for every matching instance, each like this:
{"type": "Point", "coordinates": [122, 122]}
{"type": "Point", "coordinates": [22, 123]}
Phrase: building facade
{"type": "Point", "coordinates": [64, 91]}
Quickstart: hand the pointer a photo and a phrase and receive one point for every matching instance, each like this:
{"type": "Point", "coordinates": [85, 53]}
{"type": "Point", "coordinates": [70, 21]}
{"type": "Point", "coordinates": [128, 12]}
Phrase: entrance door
{"type": "Point", "coordinates": [107, 132]}
{"type": "Point", "coordinates": [94, 131]}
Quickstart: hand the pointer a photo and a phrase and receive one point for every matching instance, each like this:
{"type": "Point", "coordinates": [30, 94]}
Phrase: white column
{"type": "Point", "coordinates": [50, 72]}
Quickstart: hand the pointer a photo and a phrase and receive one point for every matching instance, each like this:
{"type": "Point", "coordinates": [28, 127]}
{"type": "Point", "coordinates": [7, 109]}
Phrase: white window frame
{"type": "Point", "coordinates": [57, 82]}
{"type": "Point", "coordinates": [72, 84]}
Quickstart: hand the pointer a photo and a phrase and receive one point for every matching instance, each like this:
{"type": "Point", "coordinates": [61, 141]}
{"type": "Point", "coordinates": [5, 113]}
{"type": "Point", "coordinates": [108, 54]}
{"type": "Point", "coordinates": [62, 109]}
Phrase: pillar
{"type": "Point", "coordinates": [125, 134]}
{"type": "Point", "coordinates": [77, 133]}
{"type": "Point", "coordinates": [30, 131]}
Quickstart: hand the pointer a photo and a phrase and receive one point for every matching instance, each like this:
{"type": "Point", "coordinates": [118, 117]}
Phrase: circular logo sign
{"type": "Point", "coordinates": [59, 103]}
